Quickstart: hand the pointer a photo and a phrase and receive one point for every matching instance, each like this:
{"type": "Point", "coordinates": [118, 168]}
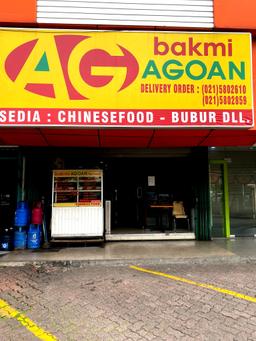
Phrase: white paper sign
{"type": "Point", "coordinates": [151, 181]}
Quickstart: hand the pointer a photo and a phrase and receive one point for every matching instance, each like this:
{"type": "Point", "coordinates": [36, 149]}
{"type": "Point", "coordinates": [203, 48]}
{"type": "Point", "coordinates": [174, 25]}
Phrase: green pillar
{"type": "Point", "coordinates": [20, 183]}
{"type": "Point", "coordinates": [226, 212]}
{"type": "Point", "coordinates": [202, 193]}
{"type": "Point", "coordinates": [226, 200]}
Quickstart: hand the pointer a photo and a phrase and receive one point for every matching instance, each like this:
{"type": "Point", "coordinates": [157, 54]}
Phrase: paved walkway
{"type": "Point", "coordinates": [171, 298]}
{"type": "Point", "coordinates": [119, 303]}
{"type": "Point", "coordinates": [233, 250]}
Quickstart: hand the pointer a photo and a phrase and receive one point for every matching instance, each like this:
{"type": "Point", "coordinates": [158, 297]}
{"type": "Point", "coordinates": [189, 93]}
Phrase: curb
{"type": "Point", "coordinates": [124, 262]}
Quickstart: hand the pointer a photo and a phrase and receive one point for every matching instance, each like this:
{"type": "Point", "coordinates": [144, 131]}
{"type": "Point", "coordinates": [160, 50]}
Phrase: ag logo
{"type": "Point", "coordinates": [51, 67]}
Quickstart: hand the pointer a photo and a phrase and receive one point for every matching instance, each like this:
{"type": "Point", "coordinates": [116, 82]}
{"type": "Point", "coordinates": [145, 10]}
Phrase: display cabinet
{"type": "Point", "coordinates": [77, 203]}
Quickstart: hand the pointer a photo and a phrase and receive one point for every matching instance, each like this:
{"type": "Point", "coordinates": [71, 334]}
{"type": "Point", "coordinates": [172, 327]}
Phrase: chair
{"type": "Point", "coordinates": [178, 213]}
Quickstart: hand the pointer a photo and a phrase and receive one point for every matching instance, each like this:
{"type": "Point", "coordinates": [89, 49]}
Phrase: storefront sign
{"type": "Point", "coordinates": [76, 172]}
{"type": "Point", "coordinates": [125, 79]}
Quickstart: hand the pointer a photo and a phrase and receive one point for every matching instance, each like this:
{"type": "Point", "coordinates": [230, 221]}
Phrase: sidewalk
{"type": "Point", "coordinates": [218, 250]}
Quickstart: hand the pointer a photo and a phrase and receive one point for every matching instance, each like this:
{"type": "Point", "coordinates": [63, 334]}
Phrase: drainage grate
{"type": "Point", "coordinates": [46, 250]}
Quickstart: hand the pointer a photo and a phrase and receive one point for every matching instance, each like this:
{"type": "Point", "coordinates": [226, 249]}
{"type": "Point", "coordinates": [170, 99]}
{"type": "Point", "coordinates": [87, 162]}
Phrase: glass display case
{"type": "Point", "coordinates": [81, 190]}
{"type": "Point", "coordinates": [77, 208]}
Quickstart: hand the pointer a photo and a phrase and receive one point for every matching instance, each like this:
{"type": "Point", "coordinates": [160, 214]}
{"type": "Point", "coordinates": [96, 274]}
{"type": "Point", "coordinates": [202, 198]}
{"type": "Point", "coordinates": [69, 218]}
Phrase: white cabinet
{"type": "Point", "coordinates": [77, 203]}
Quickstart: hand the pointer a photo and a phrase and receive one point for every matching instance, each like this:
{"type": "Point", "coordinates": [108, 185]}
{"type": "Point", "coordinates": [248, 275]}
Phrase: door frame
{"type": "Point", "coordinates": [226, 210]}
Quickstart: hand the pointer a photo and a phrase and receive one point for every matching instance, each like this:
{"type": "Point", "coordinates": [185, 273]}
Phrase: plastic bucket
{"type": "Point", "coordinates": [20, 239]}
{"type": "Point", "coordinates": [34, 236]}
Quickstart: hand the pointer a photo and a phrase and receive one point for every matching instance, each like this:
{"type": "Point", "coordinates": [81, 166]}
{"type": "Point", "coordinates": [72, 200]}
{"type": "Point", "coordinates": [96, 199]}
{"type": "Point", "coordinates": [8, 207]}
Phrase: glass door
{"type": "Point", "coordinates": [242, 188]}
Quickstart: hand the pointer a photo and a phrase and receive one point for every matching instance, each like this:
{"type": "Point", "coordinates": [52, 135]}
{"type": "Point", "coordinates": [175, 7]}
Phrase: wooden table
{"type": "Point", "coordinates": [161, 207]}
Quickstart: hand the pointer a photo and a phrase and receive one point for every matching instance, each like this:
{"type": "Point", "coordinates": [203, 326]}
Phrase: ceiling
{"type": "Point", "coordinates": [125, 138]}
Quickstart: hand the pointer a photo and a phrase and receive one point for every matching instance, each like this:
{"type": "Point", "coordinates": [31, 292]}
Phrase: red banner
{"type": "Point", "coordinates": [125, 118]}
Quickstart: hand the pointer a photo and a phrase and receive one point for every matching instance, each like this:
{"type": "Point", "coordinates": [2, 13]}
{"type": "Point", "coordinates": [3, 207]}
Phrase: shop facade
{"type": "Point", "coordinates": [116, 127]}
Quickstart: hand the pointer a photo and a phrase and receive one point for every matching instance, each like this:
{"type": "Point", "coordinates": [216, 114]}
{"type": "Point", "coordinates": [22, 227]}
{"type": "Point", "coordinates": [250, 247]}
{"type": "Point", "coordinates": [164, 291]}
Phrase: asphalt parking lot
{"type": "Point", "coordinates": [101, 302]}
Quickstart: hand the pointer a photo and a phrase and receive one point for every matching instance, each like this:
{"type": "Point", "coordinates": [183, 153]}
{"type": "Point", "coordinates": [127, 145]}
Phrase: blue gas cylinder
{"type": "Point", "coordinates": [21, 214]}
{"type": "Point", "coordinates": [20, 238]}
{"type": "Point", "coordinates": [6, 240]}
{"type": "Point", "coordinates": [34, 236]}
